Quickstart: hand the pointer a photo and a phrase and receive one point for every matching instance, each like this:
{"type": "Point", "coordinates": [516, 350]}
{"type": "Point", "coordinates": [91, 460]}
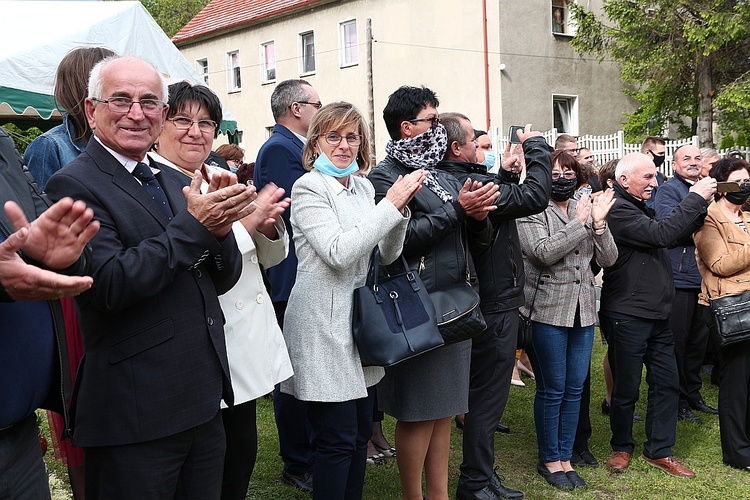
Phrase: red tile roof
{"type": "Point", "coordinates": [224, 15]}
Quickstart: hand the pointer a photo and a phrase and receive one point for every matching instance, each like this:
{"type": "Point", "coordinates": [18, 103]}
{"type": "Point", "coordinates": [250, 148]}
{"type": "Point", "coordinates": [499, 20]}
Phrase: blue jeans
{"type": "Point", "coordinates": [560, 357]}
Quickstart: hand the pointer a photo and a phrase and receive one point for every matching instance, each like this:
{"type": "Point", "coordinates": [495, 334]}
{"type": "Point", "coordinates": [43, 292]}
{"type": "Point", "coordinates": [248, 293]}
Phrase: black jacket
{"type": "Point", "coordinates": [500, 267]}
{"type": "Point", "coordinates": [640, 283]}
{"type": "Point", "coordinates": [18, 185]}
{"type": "Point", "coordinates": [435, 242]}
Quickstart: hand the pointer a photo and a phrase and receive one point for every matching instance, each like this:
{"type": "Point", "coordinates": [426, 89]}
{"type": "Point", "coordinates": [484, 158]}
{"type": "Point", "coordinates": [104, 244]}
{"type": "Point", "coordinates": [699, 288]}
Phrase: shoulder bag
{"type": "Point", "coordinates": [732, 318]}
{"type": "Point", "coordinates": [393, 318]}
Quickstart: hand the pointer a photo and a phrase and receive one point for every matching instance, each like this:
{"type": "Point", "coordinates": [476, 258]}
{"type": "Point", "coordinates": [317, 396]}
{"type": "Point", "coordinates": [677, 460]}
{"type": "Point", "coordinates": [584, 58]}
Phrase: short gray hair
{"type": "Point", "coordinates": [628, 163]}
{"type": "Point", "coordinates": [96, 85]}
{"type": "Point", "coordinates": [286, 93]}
{"type": "Point", "coordinates": [708, 153]}
{"type": "Point", "coordinates": [452, 124]}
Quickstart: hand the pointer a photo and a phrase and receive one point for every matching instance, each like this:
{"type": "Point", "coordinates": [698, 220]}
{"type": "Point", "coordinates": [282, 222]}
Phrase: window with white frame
{"type": "Point", "coordinates": [562, 22]}
{"type": "Point", "coordinates": [565, 114]}
{"type": "Point", "coordinates": [233, 63]}
{"type": "Point", "coordinates": [348, 47]}
{"type": "Point", "coordinates": [268, 61]}
{"type": "Point", "coordinates": [202, 66]}
{"type": "Point", "coordinates": [307, 52]}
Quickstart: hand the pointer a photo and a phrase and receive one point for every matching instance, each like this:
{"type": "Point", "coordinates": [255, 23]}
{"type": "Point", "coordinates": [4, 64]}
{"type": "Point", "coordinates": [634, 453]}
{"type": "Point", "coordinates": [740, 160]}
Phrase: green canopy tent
{"type": "Point", "coordinates": [40, 33]}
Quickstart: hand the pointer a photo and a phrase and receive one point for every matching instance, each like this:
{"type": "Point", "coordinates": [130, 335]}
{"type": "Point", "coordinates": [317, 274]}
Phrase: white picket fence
{"type": "Point", "coordinates": [613, 146]}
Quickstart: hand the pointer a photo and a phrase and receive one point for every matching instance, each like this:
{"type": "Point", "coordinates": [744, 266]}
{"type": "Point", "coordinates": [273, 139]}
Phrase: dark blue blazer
{"type": "Point", "coordinates": [280, 161]}
{"type": "Point", "coordinates": [155, 361]}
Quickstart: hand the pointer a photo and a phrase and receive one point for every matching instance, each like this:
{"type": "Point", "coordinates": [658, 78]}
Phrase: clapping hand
{"type": "Point", "coordinates": [405, 188]}
{"type": "Point", "coordinates": [58, 236]}
{"type": "Point", "coordinates": [601, 206]}
{"type": "Point", "coordinates": [225, 202]}
{"type": "Point", "coordinates": [478, 200]}
{"type": "Point", "coordinates": [269, 205]}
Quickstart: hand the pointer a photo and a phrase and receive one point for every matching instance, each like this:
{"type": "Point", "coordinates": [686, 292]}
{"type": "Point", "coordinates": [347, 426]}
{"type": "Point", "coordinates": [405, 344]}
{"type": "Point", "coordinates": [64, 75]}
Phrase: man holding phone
{"type": "Point", "coordinates": [501, 280]}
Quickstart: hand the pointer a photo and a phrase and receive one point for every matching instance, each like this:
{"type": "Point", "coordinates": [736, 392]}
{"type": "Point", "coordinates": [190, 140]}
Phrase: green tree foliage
{"type": "Point", "coordinates": [682, 58]}
{"type": "Point", "coordinates": [172, 15]}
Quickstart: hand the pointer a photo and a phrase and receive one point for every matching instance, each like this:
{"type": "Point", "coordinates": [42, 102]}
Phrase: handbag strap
{"type": "Point", "coordinates": [373, 273]}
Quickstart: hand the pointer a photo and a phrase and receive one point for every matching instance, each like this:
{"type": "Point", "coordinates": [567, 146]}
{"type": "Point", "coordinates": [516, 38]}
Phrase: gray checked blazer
{"type": "Point", "coordinates": [560, 248]}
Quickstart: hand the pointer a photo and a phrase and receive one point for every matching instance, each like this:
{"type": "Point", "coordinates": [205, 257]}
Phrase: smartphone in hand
{"type": "Point", "coordinates": [512, 135]}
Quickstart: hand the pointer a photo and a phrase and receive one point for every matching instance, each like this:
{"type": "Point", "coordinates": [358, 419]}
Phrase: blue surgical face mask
{"type": "Point", "coordinates": [325, 166]}
{"type": "Point", "coordinates": [233, 169]}
{"type": "Point", "coordinates": [489, 159]}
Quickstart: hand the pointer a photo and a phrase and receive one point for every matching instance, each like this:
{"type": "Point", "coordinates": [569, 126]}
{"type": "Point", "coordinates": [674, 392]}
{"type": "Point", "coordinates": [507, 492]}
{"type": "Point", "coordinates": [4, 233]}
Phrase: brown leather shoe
{"type": "Point", "coordinates": [670, 465]}
{"type": "Point", "coordinates": [619, 461]}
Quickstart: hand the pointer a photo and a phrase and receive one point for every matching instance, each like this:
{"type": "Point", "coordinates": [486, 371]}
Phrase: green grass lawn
{"type": "Point", "coordinates": [697, 446]}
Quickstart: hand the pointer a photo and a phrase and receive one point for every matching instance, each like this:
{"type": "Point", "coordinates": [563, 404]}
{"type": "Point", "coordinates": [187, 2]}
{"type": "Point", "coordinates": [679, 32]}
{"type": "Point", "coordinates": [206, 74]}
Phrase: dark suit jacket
{"type": "Point", "coordinates": [155, 361]}
{"type": "Point", "coordinates": [280, 161]}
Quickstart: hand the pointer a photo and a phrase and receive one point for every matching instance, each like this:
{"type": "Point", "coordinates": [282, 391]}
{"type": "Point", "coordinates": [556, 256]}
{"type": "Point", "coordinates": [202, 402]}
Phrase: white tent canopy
{"type": "Point", "coordinates": [37, 35]}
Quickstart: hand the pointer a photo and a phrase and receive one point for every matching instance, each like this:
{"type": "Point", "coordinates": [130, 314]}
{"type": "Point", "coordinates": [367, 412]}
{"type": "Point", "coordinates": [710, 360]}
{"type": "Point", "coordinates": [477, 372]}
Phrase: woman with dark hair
{"type": "Point", "coordinates": [722, 245]}
{"type": "Point", "coordinates": [449, 220]}
{"type": "Point", "coordinates": [336, 224]}
{"type": "Point", "coordinates": [47, 154]}
{"type": "Point", "coordinates": [558, 246]}
{"type": "Point", "coordinates": [255, 347]}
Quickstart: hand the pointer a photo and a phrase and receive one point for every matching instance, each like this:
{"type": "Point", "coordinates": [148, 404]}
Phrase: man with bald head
{"type": "Point", "coordinates": [146, 402]}
{"type": "Point", "coordinates": [636, 300]}
{"type": "Point", "coordinates": [687, 317]}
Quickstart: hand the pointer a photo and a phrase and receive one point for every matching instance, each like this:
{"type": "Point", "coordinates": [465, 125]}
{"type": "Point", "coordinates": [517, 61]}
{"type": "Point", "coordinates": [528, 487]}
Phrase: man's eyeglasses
{"type": "Point", "coordinates": [316, 105]}
{"type": "Point", "coordinates": [568, 174]}
{"type": "Point", "coordinates": [123, 105]}
{"type": "Point", "coordinates": [434, 121]}
{"type": "Point", "coordinates": [184, 123]}
{"type": "Point", "coordinates": [334, 139]}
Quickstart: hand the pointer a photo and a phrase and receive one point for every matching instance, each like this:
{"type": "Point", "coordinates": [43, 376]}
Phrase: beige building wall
{"type": "Point", "coordinates": [436, 43]}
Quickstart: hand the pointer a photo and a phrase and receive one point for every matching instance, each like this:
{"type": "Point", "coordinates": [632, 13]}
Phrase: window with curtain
{"type": "Point", "coordinates": [348, 48]}
{"type": "Point", "coordinates": [268, 57]}
{"type": "Point", "coordinates": [307, 52]}
{"type": "Point", "coordinates": [235, 79]}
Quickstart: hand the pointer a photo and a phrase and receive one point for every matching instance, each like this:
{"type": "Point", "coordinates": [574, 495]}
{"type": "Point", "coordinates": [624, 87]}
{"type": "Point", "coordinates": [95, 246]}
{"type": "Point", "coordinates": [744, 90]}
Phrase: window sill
{"type": "Point", "coordinates": [349, 65]}
{"type": "Point", "coordinates": [268, 82]}
{"type": "Point", "coordinates": [564, 35]}
{"type": "Point", "coordinates": [309, 73]}
{"type": "Point", "coordinates": [234, 91]}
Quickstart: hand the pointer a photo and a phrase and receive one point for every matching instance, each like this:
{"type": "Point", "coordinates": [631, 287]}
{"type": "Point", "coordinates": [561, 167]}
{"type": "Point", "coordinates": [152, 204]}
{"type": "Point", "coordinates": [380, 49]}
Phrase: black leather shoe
{"type": "Point", "coordinates": [576, 480]}
{"type": "Point", "coordinates": [557, 479]}
{"type": "Point", "coordinates": [583, 458]}
{"type": "Point", "coordinates": [302, 482]}
{"type": "Point", "coordinates": [485, 493]}
{"type": "Point", "coordinates": [503, 491]}
{"type": "Point", "coordinates": [686, 414]}
{"type": "Point", "coordinates": [459, 423]}
{"type": "Point", "coordinates": [702, 406]}
{"type": "Point", "coordinates": [501, 427]}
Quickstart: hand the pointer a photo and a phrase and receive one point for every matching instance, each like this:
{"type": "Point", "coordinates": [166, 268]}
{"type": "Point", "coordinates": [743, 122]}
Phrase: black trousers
{"type": "Point", "coordinates": [633, 343]}
{"type": "Point", "coordinates": [690, 332]}
{"type": "Point", "coordinates": [186, 465]}
{"type": "Point", "coordinates": [493, 354]}
{"type": "Point", "coordinates": [342, 430]}
{"type": "Point", "coordinates": [734, 404]}
{"type": "Point", "coordinates": [242, 449]}
{"type": "Point", "coordinates": [296, 437]}
{"type": "Point", "coordinates": [583, 431]}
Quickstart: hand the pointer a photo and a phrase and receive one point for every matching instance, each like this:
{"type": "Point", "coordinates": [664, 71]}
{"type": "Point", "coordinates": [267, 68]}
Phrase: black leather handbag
{"type": "Point", "coordinates": [458, 315]}
{"type": "Point", "coordinates": [393, 317]}
{"type": "Point", "coordinates": [732, 318]}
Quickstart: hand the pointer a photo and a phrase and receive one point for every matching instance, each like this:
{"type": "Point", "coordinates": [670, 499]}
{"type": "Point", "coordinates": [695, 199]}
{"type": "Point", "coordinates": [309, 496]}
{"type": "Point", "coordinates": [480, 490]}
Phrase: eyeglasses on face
{"type": "Point", "coordinates": [334, 139]}
{"type": "Point", "coordinates": [184, 123]}
{"type": "Point", "coordinates": [123, 105]}
{"type": "Point", "coordinates": [316, 105]}
{"type": "Point", "coordinates": [568, 174]}
{"type": "Point", "coordinates": [434, 121]}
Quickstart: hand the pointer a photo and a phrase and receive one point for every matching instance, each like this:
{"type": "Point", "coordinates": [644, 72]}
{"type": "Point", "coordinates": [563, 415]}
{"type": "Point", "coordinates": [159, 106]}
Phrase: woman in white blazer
{"type": "Point", "coordinates": [255, 346]}
{"type": "Point", "coordinates": [336, 224]}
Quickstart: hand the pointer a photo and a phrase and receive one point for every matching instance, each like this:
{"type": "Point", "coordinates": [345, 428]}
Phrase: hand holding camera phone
{"type": "Point", "coordinates": [513, 133]}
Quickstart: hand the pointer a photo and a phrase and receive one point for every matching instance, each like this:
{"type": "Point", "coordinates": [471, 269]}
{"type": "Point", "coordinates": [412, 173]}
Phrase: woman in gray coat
{"type": "Point", "coordinates": [336, 224]}
{"type": "Point", "coordinates": [558, 247]}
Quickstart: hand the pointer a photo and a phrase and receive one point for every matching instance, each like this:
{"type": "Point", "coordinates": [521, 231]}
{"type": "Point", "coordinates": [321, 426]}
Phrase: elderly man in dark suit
{"type": "Point", "coordinates": [147, 396]}
{"type": "Point", "coordinates": [279, 160]}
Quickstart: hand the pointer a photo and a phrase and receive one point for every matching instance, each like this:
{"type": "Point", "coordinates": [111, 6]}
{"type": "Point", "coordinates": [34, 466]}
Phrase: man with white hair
{"type": "Point", "coordinates": [636, 299]}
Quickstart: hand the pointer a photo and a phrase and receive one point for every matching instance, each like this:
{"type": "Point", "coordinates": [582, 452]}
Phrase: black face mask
{"type": "Point", "coordinates": [739, 197]}
{"type": "Point", "coordinates": [658, 160]}
{"type": "Point", "coordinates": [563, 189]}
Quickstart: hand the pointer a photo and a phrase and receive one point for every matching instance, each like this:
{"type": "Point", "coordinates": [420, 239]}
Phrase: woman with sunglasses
{"type": "Point", "coordinates": [558, 247]}
{"type": "Point", "coordinates": [336, 224]}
